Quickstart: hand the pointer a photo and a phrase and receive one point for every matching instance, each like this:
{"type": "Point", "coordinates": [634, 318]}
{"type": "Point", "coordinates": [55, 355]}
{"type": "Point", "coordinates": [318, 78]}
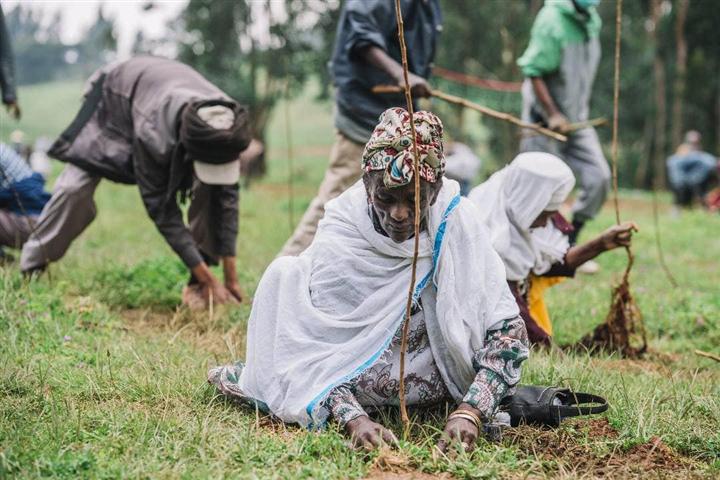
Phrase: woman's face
{"type": "Point", "coordinates": [395, 207]}
{"type": "Point", "coordinates": [542, 219]}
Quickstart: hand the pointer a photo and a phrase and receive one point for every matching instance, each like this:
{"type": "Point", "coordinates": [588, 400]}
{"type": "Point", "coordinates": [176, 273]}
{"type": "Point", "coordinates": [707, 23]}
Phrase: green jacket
{"type": "Point", "coordinates": [564, 49]}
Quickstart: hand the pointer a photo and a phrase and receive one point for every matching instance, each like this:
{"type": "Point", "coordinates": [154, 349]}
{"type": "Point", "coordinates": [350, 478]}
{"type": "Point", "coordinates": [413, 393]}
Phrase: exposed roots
{"type": "Point", "coordinates": [623, 330]}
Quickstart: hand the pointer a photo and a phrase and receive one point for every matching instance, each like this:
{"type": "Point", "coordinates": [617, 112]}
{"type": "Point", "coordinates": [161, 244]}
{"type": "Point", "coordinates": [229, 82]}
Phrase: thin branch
{"type": "Point", "coordinates": [707, 355]}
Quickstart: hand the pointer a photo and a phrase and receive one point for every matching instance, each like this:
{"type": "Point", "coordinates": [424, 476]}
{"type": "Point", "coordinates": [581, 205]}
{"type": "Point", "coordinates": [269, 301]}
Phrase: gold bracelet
{"type": "Point", "coordinates": [478, 420]}
{"type": "Point", "coordinates": [465, 416]}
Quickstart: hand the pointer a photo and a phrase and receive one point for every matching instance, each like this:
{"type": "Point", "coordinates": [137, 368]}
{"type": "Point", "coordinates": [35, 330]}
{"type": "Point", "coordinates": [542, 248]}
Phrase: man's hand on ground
{"type": "Point", "coordinates": [558, 122]}
{"type": "Point", "coordinates": [236, 291]}
{"type": "Point", "coordinates": [364, 433]}
{"type": "Point", "coordinates": [231, 280]}
{"type": "Point", "coordinates": [460, 430]}
{"type": "Point", "coordinates": [210, 287]}
{"type": "Point", "coordinates": [219, 293]}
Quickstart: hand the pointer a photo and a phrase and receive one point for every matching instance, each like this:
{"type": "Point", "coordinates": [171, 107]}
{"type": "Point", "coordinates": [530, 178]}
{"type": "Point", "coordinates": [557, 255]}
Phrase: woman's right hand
{"type": "Point", "coordinates": [364, 433]}
{"type": "Point", "coordinates": [618, 235]}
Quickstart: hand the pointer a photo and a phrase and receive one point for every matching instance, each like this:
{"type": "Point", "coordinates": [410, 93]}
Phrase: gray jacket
{"type": "Point", "coordinates": [127, 131]}
{"type": "Point", "coordinates": [364, 23]}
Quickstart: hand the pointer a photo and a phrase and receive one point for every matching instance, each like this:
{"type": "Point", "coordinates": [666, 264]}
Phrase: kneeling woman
{"type": "Point", "coordinates": [323, 337]}
{"type": "Point", "coordinates": [519, 205]}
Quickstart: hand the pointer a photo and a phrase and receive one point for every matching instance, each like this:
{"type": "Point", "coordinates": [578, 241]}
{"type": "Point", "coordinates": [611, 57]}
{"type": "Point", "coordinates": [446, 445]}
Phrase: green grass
{"type": "Point", "coordinates": [101, 376]}
{"type": "Point", "coordinates": [46, 110]}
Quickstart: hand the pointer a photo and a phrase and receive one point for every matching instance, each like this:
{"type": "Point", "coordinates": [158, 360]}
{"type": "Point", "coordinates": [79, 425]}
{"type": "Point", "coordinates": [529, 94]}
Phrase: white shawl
{"type": "Point", "coordinates": [510, 201]}
{"type": "Point", "coordinates": [321, 319]}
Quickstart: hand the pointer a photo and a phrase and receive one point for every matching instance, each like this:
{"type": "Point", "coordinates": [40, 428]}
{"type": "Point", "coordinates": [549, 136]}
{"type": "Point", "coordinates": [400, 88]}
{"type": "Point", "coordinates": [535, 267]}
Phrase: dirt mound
{"type": "Point", "coordinates": [592, 449]}
{"type": "Point", "coordinates": [393, 465]}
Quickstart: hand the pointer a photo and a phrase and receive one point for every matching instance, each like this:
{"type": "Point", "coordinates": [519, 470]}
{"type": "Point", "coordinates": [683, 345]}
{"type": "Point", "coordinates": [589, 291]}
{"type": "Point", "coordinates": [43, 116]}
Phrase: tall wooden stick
{"type": "Point", "coordinates": [290, 154]}
{"type": "Point", "coordinates": [416, 177]}
{"type": "Point", "coordinates": [616, 101]}
{"type": "Point", "coordinates": [506, 117]}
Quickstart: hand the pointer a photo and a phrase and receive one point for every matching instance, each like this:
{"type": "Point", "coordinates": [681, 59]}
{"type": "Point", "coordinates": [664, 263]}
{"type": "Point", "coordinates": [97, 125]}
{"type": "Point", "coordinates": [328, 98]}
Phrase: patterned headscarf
{"type": "Point", "coordinates": [390, 147]}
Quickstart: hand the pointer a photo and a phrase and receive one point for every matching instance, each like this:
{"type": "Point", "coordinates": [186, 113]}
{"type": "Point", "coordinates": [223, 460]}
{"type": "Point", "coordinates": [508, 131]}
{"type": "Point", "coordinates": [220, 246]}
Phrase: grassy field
{"type": "Point", "coordinates": [102, 376]}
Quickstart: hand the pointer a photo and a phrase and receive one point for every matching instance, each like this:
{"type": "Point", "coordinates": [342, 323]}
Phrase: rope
{"type": "Point", "coordinates": [473, 81]}
{"type": "Point", "coordinates": [408, 307]}
{"type": "Point", "coordinates": [658, 243]}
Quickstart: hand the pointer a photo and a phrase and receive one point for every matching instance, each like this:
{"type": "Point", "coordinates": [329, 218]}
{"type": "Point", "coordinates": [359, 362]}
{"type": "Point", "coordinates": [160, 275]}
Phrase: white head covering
{"type": "Point", "coordinates": [511, 200]}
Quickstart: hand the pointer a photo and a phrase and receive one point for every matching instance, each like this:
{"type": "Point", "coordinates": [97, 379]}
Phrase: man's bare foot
{"type": "Point", "coordinates": [364, 433]}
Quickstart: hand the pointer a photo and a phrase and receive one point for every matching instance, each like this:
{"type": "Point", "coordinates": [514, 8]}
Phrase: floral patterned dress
{"type": "Point", "coordinates": [497, 366]}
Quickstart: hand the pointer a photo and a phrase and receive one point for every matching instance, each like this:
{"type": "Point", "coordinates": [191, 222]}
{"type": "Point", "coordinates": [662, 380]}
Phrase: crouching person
{"type": "Point", "coordinates": [519, 205]}
{"type": "Point", "coordinates": [324, 332]}
{"type": "Point", "coordinates": [22, 197]}
{"type": "Point", "coordinates": [160, 125]}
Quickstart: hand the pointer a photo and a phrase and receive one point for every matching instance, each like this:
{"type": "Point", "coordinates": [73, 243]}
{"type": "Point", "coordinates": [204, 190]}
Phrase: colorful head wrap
{"type": "Point", "coordinates": [390, 147]}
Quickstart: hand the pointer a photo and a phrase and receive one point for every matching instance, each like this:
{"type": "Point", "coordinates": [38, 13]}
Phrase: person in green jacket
{"type": "Point", "coordinates": [559, 66]}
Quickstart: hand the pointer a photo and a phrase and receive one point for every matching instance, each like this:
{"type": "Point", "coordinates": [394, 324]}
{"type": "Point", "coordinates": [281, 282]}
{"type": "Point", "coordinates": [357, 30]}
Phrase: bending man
{"type": "Point", "coordinates": [160, 125]}
{"type": "Point", "coordinates": [324, 332]}
{"type": "Point", "coordinates": [519, 205]}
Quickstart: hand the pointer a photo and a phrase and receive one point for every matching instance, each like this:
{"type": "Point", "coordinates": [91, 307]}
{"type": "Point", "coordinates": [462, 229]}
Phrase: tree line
{"type": "Point", "coordinates": [260, 52]}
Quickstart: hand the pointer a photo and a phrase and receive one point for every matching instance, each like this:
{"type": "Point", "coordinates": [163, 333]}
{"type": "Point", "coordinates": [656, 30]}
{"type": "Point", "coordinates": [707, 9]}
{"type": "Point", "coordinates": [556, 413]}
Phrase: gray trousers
{"type": "Point", "coordinates": [72, 208]}
{"type": "Point", "coordinates": [585, 157]}
{"type": "Point", "coordinates": [342, 172]}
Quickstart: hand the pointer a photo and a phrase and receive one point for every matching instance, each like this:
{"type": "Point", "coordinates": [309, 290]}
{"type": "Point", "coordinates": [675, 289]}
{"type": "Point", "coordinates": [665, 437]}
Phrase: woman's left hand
{"type": "Point", "coordinates": [460, 430]}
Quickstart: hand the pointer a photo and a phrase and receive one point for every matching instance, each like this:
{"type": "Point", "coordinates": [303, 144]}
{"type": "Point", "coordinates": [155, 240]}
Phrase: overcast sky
{"type": "Point", "coordinates": [129, 16]}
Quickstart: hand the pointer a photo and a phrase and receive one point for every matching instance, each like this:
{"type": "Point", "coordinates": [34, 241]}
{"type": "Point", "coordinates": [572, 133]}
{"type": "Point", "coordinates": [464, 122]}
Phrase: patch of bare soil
{"type": "Point", "coordinates": [591, 449]}
{"type": "Point", "coordinates": [198, 328]}
{"type": "Point", "coordinates": [393, 465]}
{"type": "Point", "coordinates": [376, 474]}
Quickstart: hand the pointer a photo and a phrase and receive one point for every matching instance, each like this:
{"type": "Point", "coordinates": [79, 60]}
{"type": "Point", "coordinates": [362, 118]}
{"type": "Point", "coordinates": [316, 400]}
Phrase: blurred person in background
{"type": "Point", "coordinates": [366, 54]}
{"type": "Point", "coordinates": [559, 65]}
{"type": "Point", "coordinates": [22, 198]}
{"type": "Point", "coordinates": [463, 166]}
{"type": "Point", "coordinates": [691, 172]}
